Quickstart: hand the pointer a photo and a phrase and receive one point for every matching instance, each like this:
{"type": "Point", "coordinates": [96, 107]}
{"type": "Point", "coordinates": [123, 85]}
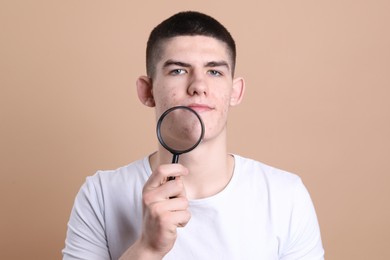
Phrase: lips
{"type": "Point", "coordinates": [200, 107]}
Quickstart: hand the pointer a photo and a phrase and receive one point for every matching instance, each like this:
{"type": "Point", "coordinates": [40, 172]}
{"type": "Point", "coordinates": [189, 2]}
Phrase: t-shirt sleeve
{"type": "Point", "coordinates": [304, 238]}
{"type": "Point", "coordinates": [86, 237]}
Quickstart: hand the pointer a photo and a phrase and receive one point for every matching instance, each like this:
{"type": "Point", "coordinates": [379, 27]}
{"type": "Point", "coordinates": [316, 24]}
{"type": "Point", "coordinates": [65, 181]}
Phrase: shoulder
{"type": "Point", "coordinates": [281, 190]}
{"type": "Point", "coordinates": [289, 207]}
{"type": "Point", "coordinates": [106, 184]}
{"type": "Point", "coordinates": [102, 204]}
{"type": "Point", "coordinates": [271, 176]}
{"type": "Point", "coordinates": [137, 171]}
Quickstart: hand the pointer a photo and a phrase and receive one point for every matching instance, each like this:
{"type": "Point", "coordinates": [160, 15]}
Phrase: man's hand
{"type": "Point", "coordinates": [165, 208]}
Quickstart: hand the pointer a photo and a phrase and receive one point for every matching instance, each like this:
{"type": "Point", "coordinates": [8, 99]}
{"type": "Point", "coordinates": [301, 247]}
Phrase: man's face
{"type": "Point", "coordinates": [195, 71]}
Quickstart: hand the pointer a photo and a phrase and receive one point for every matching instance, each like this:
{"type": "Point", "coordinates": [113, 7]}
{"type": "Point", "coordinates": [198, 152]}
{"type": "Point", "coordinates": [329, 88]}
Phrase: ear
{"type": "Point", "coordinates": [237, 91]}
{"type": "Point", "coordinates": [145, 91]}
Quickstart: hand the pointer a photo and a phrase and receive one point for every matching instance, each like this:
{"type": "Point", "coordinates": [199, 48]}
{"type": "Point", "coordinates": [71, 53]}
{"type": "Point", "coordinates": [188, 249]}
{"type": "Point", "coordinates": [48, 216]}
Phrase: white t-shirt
{"type": "Point", "coordinates": [263, 213]}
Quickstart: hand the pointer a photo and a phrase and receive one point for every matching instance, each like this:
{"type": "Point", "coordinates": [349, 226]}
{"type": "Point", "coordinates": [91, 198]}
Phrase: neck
{"type": "Point", "coordinates": [209, 164]}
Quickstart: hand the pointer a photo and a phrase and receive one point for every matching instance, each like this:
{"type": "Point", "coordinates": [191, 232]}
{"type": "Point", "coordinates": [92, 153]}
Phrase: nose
{"type": "Point", "coordinates": [198, 84]}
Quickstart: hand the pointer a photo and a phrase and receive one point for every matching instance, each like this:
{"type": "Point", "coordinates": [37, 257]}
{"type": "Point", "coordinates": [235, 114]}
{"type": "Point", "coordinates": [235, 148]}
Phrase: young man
{"type": "Point", "coordinates": [220, 205]}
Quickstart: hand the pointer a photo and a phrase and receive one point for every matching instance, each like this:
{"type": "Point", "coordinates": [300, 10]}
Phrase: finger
{"type": "Point", "coordinates": [169, 212]}
{"type": "Point", "coordinates": [175, 219]}
{"type": "Point", "coordinates": [174, 204]}
{"type": "Point", "coordinates": [165, 191]}
{"type": "Point", "coordinates": [162, 172]}
{"type": "Point", "coordinates": [181, 218]}
{"type": "Point", "coordinates": [174, 188]}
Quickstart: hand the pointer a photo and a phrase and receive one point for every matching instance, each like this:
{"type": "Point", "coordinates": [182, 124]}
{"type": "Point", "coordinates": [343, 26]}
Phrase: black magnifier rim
{"type": "Point", "coordinates": [161, 140]}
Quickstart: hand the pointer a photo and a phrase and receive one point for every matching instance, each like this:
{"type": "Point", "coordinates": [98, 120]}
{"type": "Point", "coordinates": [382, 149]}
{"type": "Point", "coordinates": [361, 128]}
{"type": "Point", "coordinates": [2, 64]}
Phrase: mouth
{"type": "Point", "coordinates": [200, 107]}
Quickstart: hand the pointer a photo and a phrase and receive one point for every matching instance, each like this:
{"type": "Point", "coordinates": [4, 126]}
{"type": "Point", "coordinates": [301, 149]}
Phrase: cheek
{"type": "Point", "coordinates": [224, 102]}
{"type": "Point", "coordinates": [165, 100]}
{"type": "Point", "coordinates": [173, 96]}
{"type": "Point", "coordinates": [217, 122]}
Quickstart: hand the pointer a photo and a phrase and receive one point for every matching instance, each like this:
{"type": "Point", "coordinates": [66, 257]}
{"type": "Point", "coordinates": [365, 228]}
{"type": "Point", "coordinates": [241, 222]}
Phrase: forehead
{"type": "Point", "coordinates": [194, 48]}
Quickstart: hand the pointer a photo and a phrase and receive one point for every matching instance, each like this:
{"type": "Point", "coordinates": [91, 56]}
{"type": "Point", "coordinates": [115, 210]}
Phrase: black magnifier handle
{"type": "Point", "coordinates": [175, 159]}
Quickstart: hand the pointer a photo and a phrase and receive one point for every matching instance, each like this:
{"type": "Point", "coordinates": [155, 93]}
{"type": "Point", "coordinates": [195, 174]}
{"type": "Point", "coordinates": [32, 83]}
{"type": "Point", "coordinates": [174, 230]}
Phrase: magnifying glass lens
{"type": "Point", "coordinates": [179, 130]}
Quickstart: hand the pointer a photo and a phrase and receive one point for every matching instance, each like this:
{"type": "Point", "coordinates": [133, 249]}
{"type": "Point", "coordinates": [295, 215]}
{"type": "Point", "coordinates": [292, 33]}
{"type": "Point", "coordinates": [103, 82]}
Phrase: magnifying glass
{"type": "Point", "coordinates": [180, 130]}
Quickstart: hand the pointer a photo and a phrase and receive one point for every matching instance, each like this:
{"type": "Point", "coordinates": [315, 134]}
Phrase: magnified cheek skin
{"type": "Point", "coordinates": [180, 129]}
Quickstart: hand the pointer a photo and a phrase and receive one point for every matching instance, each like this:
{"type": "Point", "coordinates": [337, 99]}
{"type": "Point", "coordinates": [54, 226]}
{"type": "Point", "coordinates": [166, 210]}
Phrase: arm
{"type": "Point", "coordinates": [165, 208]}
{"type": "Point", "coordinates": [86, 237]}
{"type": "Point", "coordinates": [304, 238]}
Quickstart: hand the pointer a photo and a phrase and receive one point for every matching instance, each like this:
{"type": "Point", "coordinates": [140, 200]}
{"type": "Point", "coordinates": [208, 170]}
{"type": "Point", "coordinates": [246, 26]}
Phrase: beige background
{"type": "Point", "coordinates": [317, 104]}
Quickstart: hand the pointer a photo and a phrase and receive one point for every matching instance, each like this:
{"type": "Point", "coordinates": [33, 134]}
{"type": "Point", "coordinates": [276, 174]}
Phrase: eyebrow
{"type": "Point", "coordinates": [176, 63]}
{"type": "Point", "coordinates": [187, 65]}
{"type": "Point", "coordinates": [217, 64]}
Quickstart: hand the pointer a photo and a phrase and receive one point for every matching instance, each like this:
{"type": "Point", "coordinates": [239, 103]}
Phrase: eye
{"type": "Point", "coordinates": [177, 72]}
{"type": "Point", "coordinates": [215, 73]}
